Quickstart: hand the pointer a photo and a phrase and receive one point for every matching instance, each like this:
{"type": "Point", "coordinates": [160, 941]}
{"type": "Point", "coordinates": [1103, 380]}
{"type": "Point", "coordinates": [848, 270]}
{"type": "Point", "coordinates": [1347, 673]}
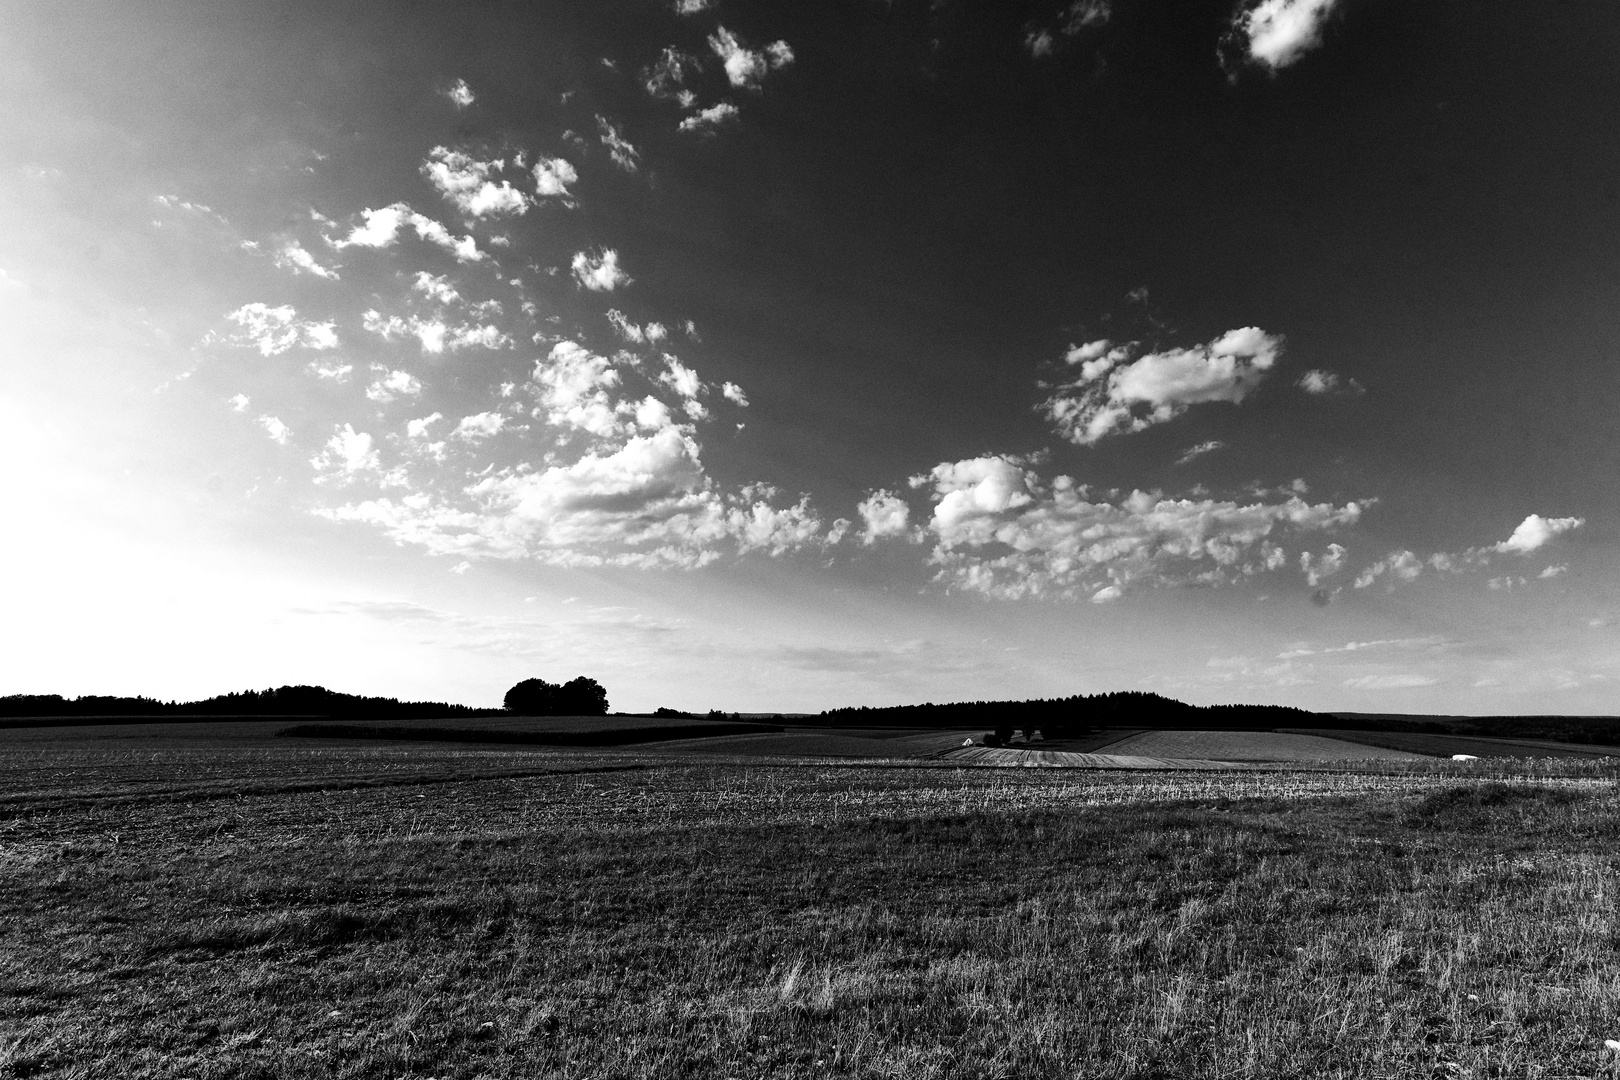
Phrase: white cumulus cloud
{"type": "Point", "coordinates": [552, 177]}
{"type": "Point", "coordinates": [274, 330]}
{"type": "Point", "coordinates": [1401, 566]}
{"type": "Point", "coordinates": [1118, 391]}
{"type": "Point", "coordinates": [418, 428]}
{"type": "Point", "coordinates": [1319, 567]}
{"type": "Point", "coordinates": [572, 385]}
{"type": "Point", "coordinates": [1279, 32]}
{"type": "Point", "coordinates": [883, 514]}
{"type": "Point", "coordinates": [466, 182]}
{"type": "Point", "coordinates": [480, 426]}
{"type": "Point", "coordinates": [436, 287]}
{"type": "Point", "coordinates": [1002, 531]}
{"type": "Point", "coordinates": [680, 378]}
{"type": "Point", "coordinates": [600, 273]}
{"type": "Point", "coordinates": [389, 385]}
{"type": "Point", "coordinates": [381, 229]}
{"type": "Point", "coordinates": [347, 452]}
{"type": "Point", "coordinates": [745, 67]}
{"type": "Point", "coordinates": [1535, 532]}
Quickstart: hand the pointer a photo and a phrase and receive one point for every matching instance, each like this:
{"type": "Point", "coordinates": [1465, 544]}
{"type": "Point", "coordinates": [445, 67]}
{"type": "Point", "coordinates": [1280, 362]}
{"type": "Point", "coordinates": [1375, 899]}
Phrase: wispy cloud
{"type": "Point", "coordinates": [1193, 452]}
{"type": "Point", "coordinates": [624, 155]}
{"type": "Point", "coordinates": [1400, 681]}
{"type": "Point", "coordinates": [460, 94]}
{"type": "Point", "coordinates": [665, 78]}
{"type": "Point", "coordinates": [1321, 383]}
{"type": "Point", "coordinates": [710, 118]}
{"type": "Point", "coordinates": [290, 255]}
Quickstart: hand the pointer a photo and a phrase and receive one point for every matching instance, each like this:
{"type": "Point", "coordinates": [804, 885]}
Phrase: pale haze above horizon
{"type": "Point", "coordinates": [772, 356]}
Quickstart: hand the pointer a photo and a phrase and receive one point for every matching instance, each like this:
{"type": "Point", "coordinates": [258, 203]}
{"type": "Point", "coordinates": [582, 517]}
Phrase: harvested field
{"type": "Point", "coordinates": [253, 907]}
{"type": "Point", "coordinates": [1253, 746]}
{"type": "Point", "coordinates": [1481, 747]}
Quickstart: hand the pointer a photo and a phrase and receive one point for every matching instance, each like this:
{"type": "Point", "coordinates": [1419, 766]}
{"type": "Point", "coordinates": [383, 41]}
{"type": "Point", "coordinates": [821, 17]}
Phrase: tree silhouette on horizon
{"type": "Point", "coordinates": [578, 697]}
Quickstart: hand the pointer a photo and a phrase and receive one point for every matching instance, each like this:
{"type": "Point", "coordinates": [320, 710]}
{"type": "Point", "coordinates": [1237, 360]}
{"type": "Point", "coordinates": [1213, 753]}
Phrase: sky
{"type": "Point", "coordinates": [772, 356]}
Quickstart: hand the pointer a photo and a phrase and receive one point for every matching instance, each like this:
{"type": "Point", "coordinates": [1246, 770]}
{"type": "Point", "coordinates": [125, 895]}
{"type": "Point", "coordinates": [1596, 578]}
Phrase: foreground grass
{"type": "Point", "coordinates": [719, 921]}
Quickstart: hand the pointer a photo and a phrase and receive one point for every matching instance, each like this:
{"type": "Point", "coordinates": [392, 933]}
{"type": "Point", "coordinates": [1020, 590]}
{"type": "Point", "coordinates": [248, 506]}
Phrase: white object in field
{"type": "Point", "coordinates": [967, 741]}
{"type": "Point", "coordinates": [1463, 757]}
{"type": "Point", "coordinates": [1612, 1044]}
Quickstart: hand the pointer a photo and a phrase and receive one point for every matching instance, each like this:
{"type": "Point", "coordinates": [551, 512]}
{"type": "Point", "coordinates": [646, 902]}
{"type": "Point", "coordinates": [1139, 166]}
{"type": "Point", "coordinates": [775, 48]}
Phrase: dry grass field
{"type": "Point", "coordinates": [228, 905]}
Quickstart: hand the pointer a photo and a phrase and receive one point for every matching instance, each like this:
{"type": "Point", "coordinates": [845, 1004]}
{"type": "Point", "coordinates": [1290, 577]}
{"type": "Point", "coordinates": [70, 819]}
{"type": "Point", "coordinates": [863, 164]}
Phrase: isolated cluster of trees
{"type": "Point", "coordinates": [576, 697]}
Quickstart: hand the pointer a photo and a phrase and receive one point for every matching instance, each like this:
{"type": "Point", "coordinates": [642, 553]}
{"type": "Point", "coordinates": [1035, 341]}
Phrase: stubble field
{"type": "Point", "coordinates": [182, 905]}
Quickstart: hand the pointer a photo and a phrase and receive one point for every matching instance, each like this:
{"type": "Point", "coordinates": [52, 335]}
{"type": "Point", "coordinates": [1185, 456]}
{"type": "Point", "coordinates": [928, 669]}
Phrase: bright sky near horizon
{"type": "Point", "coordinates": [760, 355]}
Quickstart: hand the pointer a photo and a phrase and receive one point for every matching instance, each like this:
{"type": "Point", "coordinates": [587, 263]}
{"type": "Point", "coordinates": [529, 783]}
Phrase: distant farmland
{"type": "Point", "coordinates": [1252, 746]}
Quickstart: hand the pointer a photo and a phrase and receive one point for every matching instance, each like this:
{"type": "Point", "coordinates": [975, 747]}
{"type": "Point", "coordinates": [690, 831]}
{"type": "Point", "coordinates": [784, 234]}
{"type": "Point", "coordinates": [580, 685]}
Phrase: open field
{"type": "Point", "coordinates": [1252, 746]}
{"type": "Point", "coordinates": [1419, 742]}
{"type": "Point", "coordinates": [239, 906]}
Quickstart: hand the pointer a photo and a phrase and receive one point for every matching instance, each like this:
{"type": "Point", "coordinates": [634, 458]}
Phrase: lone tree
{"type": "Point", "coordinates": [577, 697]}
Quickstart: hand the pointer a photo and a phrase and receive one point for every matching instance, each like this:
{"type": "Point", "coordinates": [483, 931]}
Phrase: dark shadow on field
{"type": "Point", "coordinates": [578, 731]}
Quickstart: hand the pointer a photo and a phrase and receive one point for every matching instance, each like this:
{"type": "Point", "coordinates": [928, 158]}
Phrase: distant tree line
{"type": "Point", "coordinates": [280, 701]}
{"type": "Point", "coordinates": [1074, 717]}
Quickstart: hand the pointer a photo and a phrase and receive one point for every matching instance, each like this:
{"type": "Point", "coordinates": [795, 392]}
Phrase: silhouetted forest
{"type": "Point", "coordinates": [1072, 717]}
{"type": "Point", "coordinates": [280, 701]}
{"type": "Point", "coordinates": [1069, 717]}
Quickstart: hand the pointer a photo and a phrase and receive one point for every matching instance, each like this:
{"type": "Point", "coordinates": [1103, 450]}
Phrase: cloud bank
{"type": "Point", "coordinates": [1002, 531]}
